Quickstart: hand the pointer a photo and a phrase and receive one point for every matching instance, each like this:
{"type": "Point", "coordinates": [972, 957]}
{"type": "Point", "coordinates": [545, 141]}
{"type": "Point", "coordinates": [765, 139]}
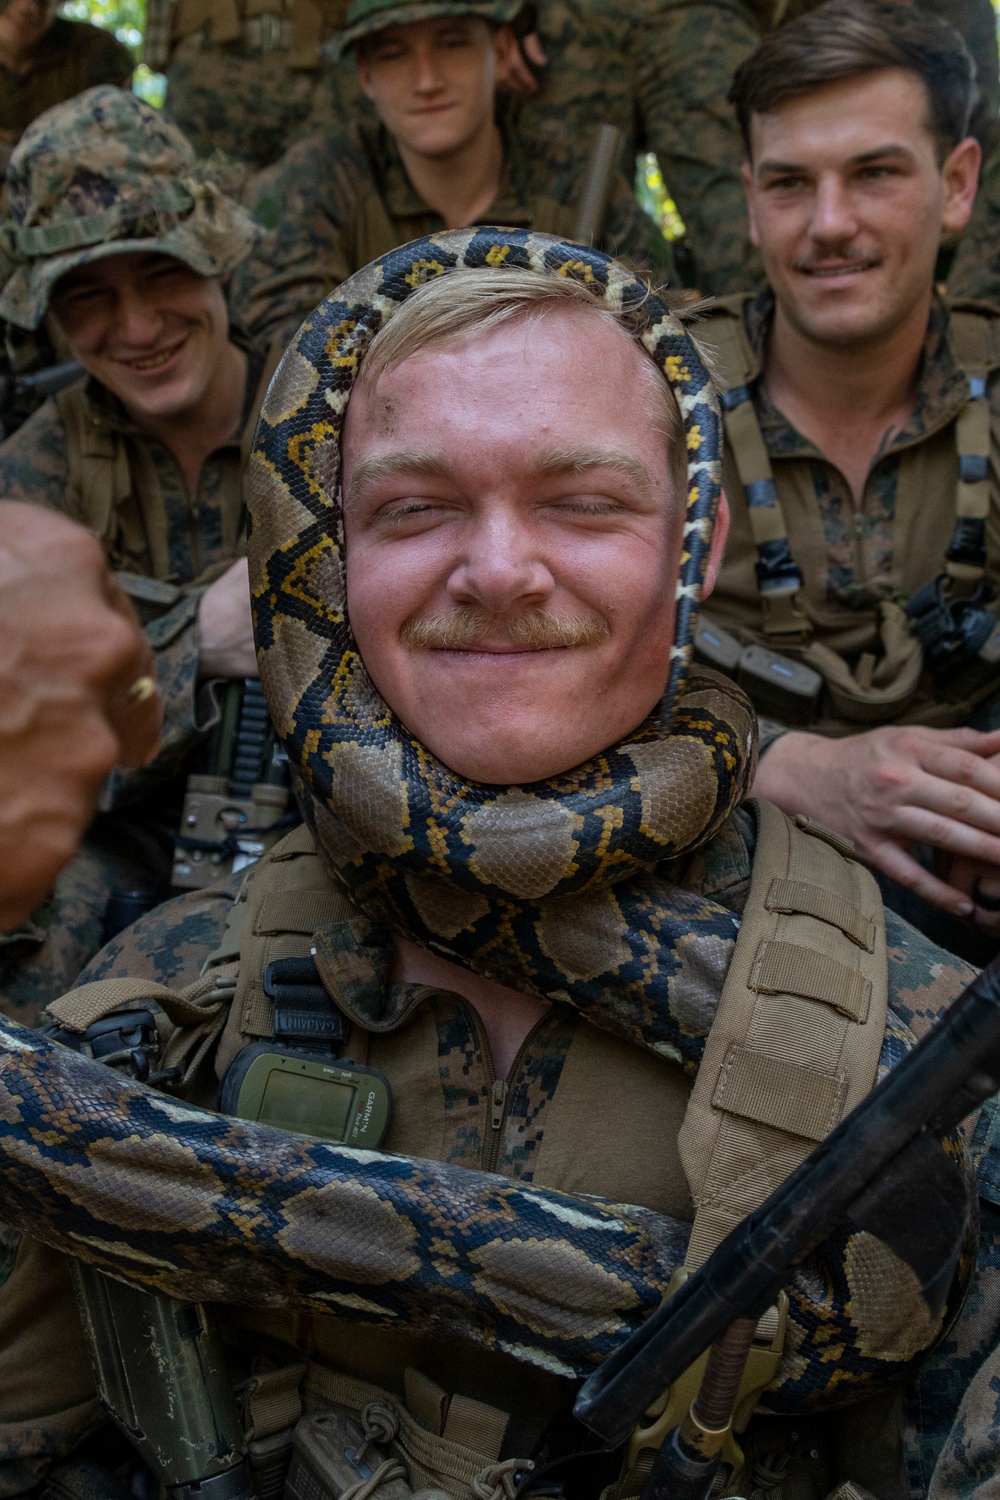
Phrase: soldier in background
{"type": "Point", "coordinates": [45, 59]}
{"type": "Point", "coordinates": [860, 465]}
{"type": "Point", "coordinates": [441, 156]}
{"type": "Point", "coordinates": [147, 452]}
{"type": "Point", "coordinates": [661, 71]}
{"type": "Point", "coordinates": [241, 74]}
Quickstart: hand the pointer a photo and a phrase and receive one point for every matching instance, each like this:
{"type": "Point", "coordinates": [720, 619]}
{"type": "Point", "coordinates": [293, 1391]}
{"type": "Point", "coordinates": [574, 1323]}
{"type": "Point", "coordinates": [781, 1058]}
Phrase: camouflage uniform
{"type": "Point", "coordinates": [855, 557]}
{"type": "Point", "coordinates": [107, 153]}
{"type": "Point", "coordinates": [72, 56]}
{"type": "Point", "coordinates": [241, 77]}
{"type": "Point", "coordinates": [442, 1076]}
{"type": "Point", "coordinates": [659, 70]}
{"type": "Point", "coordinates": [342, 198]}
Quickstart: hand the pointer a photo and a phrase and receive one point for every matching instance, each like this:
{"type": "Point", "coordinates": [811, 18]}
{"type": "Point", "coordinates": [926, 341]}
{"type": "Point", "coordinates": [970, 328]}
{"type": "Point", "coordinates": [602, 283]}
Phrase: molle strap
{"type": "Point", "coordinates": [965, 559]}
{"type": "Point", "coordinates": [796, 1039]}
{"type": "Point", "coordinates": [285, 899]}
{"type": "Point", "coordinates": [976, 346]}
{"type": "Point", "coordinates": [779, 578]}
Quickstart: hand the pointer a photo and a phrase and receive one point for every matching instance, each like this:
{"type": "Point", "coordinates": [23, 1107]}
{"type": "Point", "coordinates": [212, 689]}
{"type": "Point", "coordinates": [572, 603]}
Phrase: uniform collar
{"type": "Point", "coordinates": [942, 391]}
{"type": "Point", "coordinates": [512, 205]}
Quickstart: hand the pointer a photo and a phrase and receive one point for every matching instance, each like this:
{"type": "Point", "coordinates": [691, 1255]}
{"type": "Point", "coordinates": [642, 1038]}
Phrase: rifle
{"type": "Point", "coordinates": [882, 1160]}
{"type": "Point", "coordinates": [593, 204]}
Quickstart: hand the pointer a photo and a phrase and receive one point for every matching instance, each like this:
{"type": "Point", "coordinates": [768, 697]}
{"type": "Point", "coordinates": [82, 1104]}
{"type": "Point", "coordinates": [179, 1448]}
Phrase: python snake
{"type": "Point", "coordinates": [564, 889]}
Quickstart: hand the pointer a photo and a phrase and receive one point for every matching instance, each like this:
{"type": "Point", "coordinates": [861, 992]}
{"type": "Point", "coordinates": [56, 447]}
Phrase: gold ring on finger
{"type": "Point", "coordinates": [142, 689]}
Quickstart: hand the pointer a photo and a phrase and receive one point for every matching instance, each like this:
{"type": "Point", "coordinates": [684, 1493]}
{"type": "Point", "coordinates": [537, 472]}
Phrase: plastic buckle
{"type": "Point", "coordinates": [674, 1405]}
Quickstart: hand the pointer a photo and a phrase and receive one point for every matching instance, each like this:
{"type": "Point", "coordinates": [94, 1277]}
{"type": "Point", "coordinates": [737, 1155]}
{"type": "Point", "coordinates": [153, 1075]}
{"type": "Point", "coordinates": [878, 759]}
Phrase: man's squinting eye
{"type": "Point", "coordinates": [878, 172]}
{"type": "Point", "coordinates": [588, 505]}
{"type": "Point", "coordinates": [788, 182]}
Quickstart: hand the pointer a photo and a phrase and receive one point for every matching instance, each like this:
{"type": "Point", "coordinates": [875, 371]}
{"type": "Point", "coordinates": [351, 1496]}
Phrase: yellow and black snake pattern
{"type": "Point", "coordinates": [561, 889]}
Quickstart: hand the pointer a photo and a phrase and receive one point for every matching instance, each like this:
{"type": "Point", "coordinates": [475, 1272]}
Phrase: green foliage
{"type": "Point", "coordinates": [651, 191]}
{"type": "Point", "coordinates": [127, 19]}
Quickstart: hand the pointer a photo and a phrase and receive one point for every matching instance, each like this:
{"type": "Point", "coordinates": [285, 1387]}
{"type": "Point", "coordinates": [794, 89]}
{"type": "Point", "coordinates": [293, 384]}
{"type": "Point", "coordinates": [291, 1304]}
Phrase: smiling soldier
{"type": "Point", "coordinates": [862, 459]}
{"type": "Point", "coordinates": [443, 155]}
{"type": "Point", "coordinates": [483, 503]}
{"type": "Point", "coordinates": [115, 239]}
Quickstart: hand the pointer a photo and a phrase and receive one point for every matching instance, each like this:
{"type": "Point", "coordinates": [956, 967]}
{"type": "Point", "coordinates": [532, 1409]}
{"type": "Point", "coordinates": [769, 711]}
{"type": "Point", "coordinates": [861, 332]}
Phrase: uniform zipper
{"type": "Point", "coordinates": [860, 572]}
{"type": "Point", "coordinates": [500, 1087]}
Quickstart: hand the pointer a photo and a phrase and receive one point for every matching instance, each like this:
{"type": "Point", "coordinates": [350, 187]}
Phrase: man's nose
{"type": "Point", "coordinates": [137, 320]}
{"type": "Point", "coordinates": [500, 568]}
{"type": "Point", "coordinates": [833, 217]}
{"type": "Point", "coordinates": [427, 75]}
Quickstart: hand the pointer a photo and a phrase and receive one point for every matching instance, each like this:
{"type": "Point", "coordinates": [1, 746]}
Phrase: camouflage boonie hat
{"type": "Point", "coordinates": [367, 16]}
{"type": "Point", "coordinates": [105, 174]}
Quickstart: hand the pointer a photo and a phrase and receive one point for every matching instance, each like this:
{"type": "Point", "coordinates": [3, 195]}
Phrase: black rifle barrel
{"type": "Point", "coordinates": [946, 1076]}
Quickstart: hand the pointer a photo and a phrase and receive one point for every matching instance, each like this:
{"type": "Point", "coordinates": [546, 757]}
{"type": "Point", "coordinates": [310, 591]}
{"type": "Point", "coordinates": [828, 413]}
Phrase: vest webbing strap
{"type": "Point", "coordinates": [779, 578]}
{"type": "Point", "coordinates": [975, 343]}
{"type": "Point", "coordinates": [796, 1039]}
{"type": "Point", "coordinates": [975, 346]}
{"type": "Point", "coordinates": [286, 898]}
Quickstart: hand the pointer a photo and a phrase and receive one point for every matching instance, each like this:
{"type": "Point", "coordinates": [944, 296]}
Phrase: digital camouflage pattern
{"type": "Point", "coordinates": [105, 174]}
{"type": "Point", "coordinates": [241, 75]}
{"type": "Point", "coordinates": [72, 56]}
{"type": "Point", "coordinates": [659, 70]}
{"type": "Point", "coordinates": [443, 1076]}
{"type": "Point", "coordinates": [130, 845]}
{"type": "Point", "coordinates": [866, 559]}
{"type": "Point", "coordinates": [341, 199]}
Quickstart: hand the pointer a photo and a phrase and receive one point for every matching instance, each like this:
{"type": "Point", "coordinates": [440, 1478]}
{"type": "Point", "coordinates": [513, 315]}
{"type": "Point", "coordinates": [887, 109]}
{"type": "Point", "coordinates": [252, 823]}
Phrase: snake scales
{"type": "Point", "coordinates": [560, 888]}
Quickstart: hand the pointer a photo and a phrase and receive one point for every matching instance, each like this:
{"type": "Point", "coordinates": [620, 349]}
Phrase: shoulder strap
{"type": "Point", "coordinates": [779, 577]}
{"type": "Point", "coordinates": [724, 338]}
{"type": "Point", "coordinates": [285, 900]}
{"type": "Point", "coordinates": [106, 472]}
{"type": "Point", "coordinates": [974, 335]}
{"type": "Point", "coordinates": [796, 1040]}
{"type": "Point", "coordinates": [99, 479]}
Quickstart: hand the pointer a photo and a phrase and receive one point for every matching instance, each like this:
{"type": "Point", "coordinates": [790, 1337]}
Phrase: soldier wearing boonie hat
{"type": "Point", "coordinates": [442, 154]}
{"type": "Point", "coordinates": [122, 245]}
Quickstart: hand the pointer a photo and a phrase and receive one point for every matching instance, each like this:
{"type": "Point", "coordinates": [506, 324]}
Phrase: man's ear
{"type": "Point", "coordinates": [363, 68]}
{"type": "Point", "coordinates": [718, 546]}
{"type": "Point", "coordinates": [961, 178]}
{"type": "Point", "coordinates": [506, 47]}
{"type": "Point", "coordinates": [746, 175]}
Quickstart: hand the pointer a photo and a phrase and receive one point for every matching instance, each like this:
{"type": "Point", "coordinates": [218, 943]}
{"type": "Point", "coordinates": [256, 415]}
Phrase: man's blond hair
{"type": "Point", "coordinates": [453, 309]}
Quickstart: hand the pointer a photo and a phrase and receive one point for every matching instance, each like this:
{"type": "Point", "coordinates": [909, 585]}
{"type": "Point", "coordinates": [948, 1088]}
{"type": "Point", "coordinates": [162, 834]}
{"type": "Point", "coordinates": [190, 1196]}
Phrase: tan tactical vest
{"type": "Point", "coordinates": [794, 1046]}
{"type": "Point", "coordinates": [870, 660]}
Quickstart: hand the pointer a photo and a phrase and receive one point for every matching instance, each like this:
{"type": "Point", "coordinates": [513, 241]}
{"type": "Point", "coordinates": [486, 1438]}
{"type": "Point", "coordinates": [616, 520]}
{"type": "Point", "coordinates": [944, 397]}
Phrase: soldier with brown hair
{"type": "Point", "coordinates": [45, 59]}
{"type": "Point", "coordinates": [861, 464]}
{"type": "Point", "coordinates": [116, 236]}
{"type": "Point", "coordinates": [442, 155]}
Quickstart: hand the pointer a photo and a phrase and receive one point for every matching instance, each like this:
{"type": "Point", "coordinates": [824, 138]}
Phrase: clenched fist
{"type": "Point", "coordinates": [77, 696]}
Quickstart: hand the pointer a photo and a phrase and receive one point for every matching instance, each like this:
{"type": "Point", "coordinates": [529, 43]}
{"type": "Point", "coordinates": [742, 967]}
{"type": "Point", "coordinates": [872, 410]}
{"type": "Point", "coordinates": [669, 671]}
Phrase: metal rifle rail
{"type": "Point", "coordinates": [947, 1075]}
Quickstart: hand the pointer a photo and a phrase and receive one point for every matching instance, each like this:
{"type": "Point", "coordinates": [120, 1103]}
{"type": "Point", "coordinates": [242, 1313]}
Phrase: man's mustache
{"type": "Point", "coordinates": [818, 260]}
{"type": "Point", "coordinates": [529, 629]}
